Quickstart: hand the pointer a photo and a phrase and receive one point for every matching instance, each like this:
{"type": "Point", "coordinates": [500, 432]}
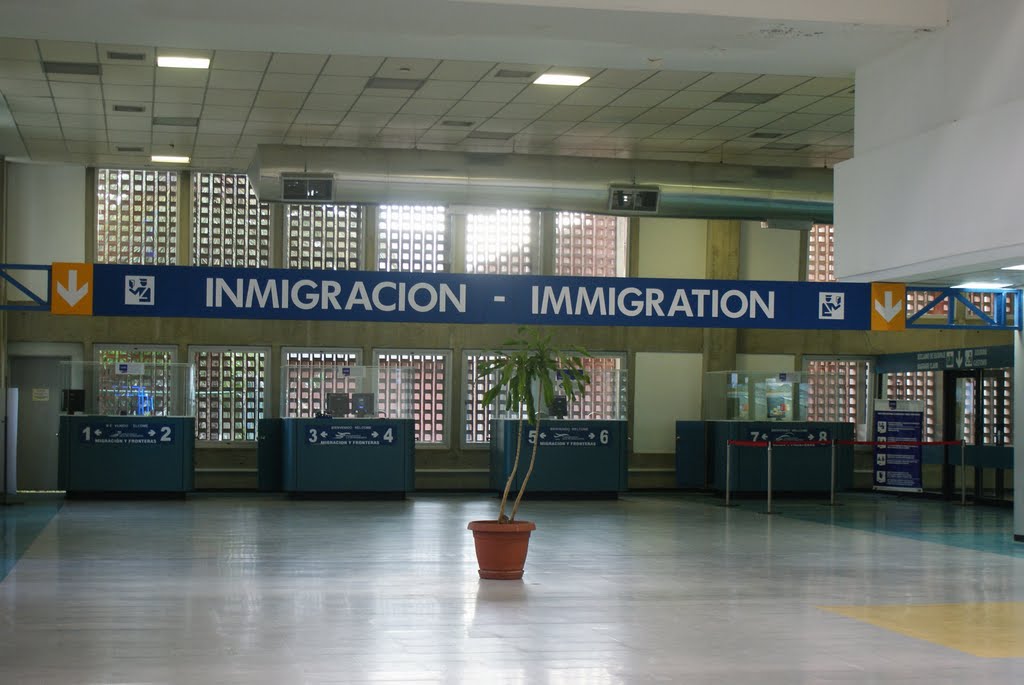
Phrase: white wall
{"type": "Point", "coordinates": [934, 186]}
{"type": "Point", "coordinates": [46, 219]}
{"type": "Point", "coordinates": [768, 254]}
{"type": "Point", "coordinates": [672, 248]}
{"type": "Point", "coordinates": [668, 389]}
{"type": "Point", "coordinates": [765, 362]}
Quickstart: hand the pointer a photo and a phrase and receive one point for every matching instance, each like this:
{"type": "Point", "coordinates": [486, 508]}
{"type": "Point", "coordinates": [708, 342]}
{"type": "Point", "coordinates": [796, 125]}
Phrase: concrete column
{"type": "Point", "coordinates": [1018, 435]}
{"type": "Point", "coordinates": [722, 261]}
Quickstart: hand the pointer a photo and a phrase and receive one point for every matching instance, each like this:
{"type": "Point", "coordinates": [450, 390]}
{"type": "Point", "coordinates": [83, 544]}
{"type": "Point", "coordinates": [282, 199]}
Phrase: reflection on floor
{"type": "Point", "coordinates": [649, 589]}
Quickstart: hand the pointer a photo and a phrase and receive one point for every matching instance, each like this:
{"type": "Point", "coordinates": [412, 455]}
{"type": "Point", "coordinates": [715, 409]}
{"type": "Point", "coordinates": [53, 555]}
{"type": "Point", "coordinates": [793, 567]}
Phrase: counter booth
{"type": "Point", "coordinates": [760, 407]}
{"type": "Point", "coordinates": [127, 427]}
{"type": "Point", "coordinates": [349, 430]}
{"type": "Point", "coordinates": [582, 444]}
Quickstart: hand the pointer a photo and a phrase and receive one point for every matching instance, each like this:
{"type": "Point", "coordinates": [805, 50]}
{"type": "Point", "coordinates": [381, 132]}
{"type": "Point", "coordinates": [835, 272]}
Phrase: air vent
{"type": "Point", "coordinates": [75, 68]}
{"type": "Point", "coordinates": [633, 199]}
{"type": "Point", "coordinates": [127, 148]}
{"type": "Point", "coordinates": [514, 73]}
{"type": "Point", "coordinates": [126, 56]}
{"type": "Point", "coordinates": [789, 147]}
{"type": "Point", "coordinates": [307, 189]}
{"type": "Point", "coordinates": [490, 135]}
{"type": "Point", "coordinates": [176, 121]}
{"type": "Point", "coordinates": [129, 108]}
{"type": "Point", "coordinates": [456, 123]}
{"type": "Point", "coordinates": [747, 98]}
{"type": "Point", "coordinates": [765, 134]}
{"type": "Point", "coordinates": [395, 83]}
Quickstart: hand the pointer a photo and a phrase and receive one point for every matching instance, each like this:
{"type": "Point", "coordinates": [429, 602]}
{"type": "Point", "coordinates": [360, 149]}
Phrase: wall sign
{"type": "Point", "coordinates": [898, 467]}
{"type": "Point", "coordinates": [570, 434]}
{"type": "Point", "coordinates": [178, 291]}
{"type": "Point", "coordinates": [994, 357]}
{"type": "Point", "coordinates": [113, 433]}
{"type": "Point", "coordinates": [328, 435]}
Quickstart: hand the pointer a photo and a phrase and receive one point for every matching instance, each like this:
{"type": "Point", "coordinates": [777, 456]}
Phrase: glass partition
{"type": "Point", "coordinates": [604, 398]}
{"type": "Point", "coordinates": [111, 388]}
{"type": "Point", "coordinates": [772, 396]}
{"type": "Point", "coordinates": [348, 391]}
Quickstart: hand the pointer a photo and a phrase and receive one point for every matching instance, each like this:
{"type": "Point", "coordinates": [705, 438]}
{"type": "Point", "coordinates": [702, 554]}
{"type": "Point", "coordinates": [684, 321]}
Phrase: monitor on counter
{"type": "Point", "coordinates": [72, 401]}
{"type": "Point", "coordinates": [338, 404]}
{"type": "Point", "coordinates": [559, 406]}
{"type": "Point", "coordinates": [363, 404]}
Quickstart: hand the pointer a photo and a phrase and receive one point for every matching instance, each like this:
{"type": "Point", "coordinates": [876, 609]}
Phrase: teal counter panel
{"type": "Point", "coordinates": [573, 456]}
{"type": "Point", "coordinates": [349, 455]}
{"type": "Point", "coordinates": [126, 454]}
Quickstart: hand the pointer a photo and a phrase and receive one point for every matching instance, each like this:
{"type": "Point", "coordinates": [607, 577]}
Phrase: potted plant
{"type": "Point", "coordinates": [528, 372]}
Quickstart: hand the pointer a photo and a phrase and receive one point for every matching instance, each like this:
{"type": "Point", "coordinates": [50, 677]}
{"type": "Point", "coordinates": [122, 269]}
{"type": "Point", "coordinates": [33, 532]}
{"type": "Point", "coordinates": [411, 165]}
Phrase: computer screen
{"type": "Point", "coordinates": [338, 404]}
{"type": "Point", "coordinates": [362, 404]}
{"type": "Point", "coordinates": [559, 406]}
{"type": "Point", "coordinates": [72, 401]}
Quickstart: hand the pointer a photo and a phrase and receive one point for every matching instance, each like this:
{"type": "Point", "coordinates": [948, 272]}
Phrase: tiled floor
{"type": "Point", "coordinates": [648, 589]}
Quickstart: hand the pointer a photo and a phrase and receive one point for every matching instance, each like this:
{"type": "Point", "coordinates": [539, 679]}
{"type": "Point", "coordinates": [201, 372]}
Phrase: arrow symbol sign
{"type": "Point", "coordinates": [959, 359]}
{"type": "Point", "coordinates": [590, 435]}
{"type": "Point", "coordinates": [152, 433]}
{"type": "Point", "coordinates": [888, 311]}
{"type": "Point", "coordinates": [323, 434]}
{"type": "Point", "coordinates": [72, 294]}
{"type": "Point", "coordinates": [374, 434]}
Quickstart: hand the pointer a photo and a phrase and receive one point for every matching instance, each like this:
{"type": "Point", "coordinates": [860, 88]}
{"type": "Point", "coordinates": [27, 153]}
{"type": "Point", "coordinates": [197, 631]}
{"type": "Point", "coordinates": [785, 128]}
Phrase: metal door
{"type": "Point", "coordinates": [39, 381]}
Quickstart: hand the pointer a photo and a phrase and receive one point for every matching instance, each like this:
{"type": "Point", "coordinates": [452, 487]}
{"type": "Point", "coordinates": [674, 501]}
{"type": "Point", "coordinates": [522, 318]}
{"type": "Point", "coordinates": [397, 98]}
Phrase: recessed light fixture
{"type": "Point", "coordinates": [980, 285]}
{"type": "Point", "coordinates": [552, 79]}
{"type": "Point", "coordinates": [1016, 267]}
{"type": "Point", "coordinates": [183, 62]}
{"type": "Point", "coordinates": [170, 159]}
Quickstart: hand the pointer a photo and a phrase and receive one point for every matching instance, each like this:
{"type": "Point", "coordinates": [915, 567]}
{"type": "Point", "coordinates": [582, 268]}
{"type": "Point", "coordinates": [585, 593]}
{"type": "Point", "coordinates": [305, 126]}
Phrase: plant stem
{"type": "Point", "coordinates": [511, 476]}
{"type": "Point", "coordinates": [529, 471]}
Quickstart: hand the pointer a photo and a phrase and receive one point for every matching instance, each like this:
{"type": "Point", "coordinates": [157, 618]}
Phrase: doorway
{"type": "Point", "coordinates": [39, 381]}
{"type": "Point", "coordinates": [978, 410]}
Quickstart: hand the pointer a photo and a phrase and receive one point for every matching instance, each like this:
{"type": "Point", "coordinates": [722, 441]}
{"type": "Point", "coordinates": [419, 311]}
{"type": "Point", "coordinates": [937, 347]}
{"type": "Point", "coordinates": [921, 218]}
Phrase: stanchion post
{"type": "Point", "coordinates": [769, 476]}
{"type": "Point", "coordinates": [728, 466]}
{"type": "Point", "coordinates": [963, 474]}
{"type": "Point", "coordinates": [832, 476]}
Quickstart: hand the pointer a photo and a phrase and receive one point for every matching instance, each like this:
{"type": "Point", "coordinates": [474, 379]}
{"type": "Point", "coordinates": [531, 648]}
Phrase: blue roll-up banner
{"type": "Point", "coordinates": [898, 467]}
{"type": "Point", "coordinates": [224, 293]}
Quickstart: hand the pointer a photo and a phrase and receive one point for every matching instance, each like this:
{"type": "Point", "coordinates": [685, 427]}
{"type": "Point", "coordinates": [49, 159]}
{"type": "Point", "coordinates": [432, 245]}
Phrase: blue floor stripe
{"type": "Point", "coordinates": [20, 525]}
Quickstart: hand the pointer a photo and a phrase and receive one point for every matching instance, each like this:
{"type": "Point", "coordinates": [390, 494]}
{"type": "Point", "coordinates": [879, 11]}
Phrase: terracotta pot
{"type": "Point", "coordinates": [501, 547]}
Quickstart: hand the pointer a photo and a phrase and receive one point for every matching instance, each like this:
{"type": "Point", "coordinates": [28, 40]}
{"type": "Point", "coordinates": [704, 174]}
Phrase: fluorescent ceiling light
{"type": "Point", "coordinates": [560, 80]}
{"type": "Point", "coordinates": [170, 159]}
{"type": "Point", "coordinates": [980, 285]}
{"type": "Point", "coordinates": [1016, 267]}
{"type": "Point", "coordinates": [183, 62]}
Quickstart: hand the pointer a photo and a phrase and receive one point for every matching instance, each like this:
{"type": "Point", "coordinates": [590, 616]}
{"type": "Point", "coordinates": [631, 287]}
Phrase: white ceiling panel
{"type": "Point", "coordinates": [493, 92]}
{"type": "Point", "coordinates": [194, 96]}
{"type": "Point", "coordinates": [272, 114]}
{"type": "Point", "coordinates": [234, 60]}
{"type": "Point", "coordinates": [67, 51]}
{"type": "Point", "coordinates": [29, 104]}
{"type": "Point", "coordinates": [125, 75]}
{"type": "Point", "coordinates": [230, 97]}
{"type": "Point", "coordinates": [235, 80]}
{"type": "Point", "coordinates": [592, 95]}
{"type": "Point", "coordinates": [455, 70]}
{"type": "Point", "coordinates": [352, 65]}
{"type": "Point", "coordinates": [270, 98]}
{"type": "Point", "coordinates": [300, 83]}
{"type": "Point", "coordinates": [21, 69]}
{"type": "Point", "coordinates": [400, 67]}
{"type": "Point", "coordinates": [295, 63]}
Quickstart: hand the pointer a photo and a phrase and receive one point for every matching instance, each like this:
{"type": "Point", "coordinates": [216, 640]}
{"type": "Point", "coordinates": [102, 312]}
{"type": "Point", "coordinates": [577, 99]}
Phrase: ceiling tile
{"type": "Point", "coordinates": [822, 86]}
{"type": "Point", "coordinates": [829, 105]}
{"type": "Point", "coordinates": [24, 88]}
{"type": "Point", "coordinates": [216, 139]}
{"type": "Point", "coordinates": [318, 116]}
{"type": "Point", "coordinates": [183, 78]}
{"type": "Point", "coordinates": [808, 137]}
{"type": "Point", "coordinates": [128, 122]}
{"type": "Point", "coordinates": [76, 106]}
{"type": "Point", "coordinates": [235, 80]}
{"type": "Point", "coordinates": [66, 51]}
{"type": "Point", "coordinates": [120, 135]}
{"type": "Point", "coordinates": [724, 133]}
{"type": "Point", "coordinates": [841, 139]}
{"type": "Point", "coordinates": [690, 99]}
{"type": "Point", "coordinates": [176, 109]}
{"type": "Point", "coordinates": [662, 115]}
{"type": "Point", "coordinates": [679, 132]}
{"type": "Point", "coordinates": [82, 121]}
{"type": "Point", "coordinates": [116, 74]}
{"type": "Point", "coordinates": [722, 82]}
{"type": "Point", "coordinates": [18, 48]}
{"type": "Point", "coordinates": [193, 96]}
{"type": "Point", "coordinates": [225, 113]}
{"type": "Point", "coordinates": [139, 94]}
{"type": "Point", "coordinates": [294, 63]}
{"type": "Point", "coordinates": [457, 70]}
{"type": "Point", "coordinates": [708, 117]}
{"type": "Point", "coordinates": [548, 128]}
{"type": "Point", "coordinates": [522, 111]}
{"type": "Point", "coordinates": [335, 102]}
{"type": "Point", "coordinates": [363, 119]}
{"type": "Point", "coordinates": [82, 91]}
{"type": "Point", "coordinates": [541, 95]}
{"type": "Point", "coordinates": [621, 78]}
{"type": "Point", "coordinates": [634, 130]}
{"type": "Point", "coordinates": [425, 106]}
{"type": "Point", "coordinates": [221, 127]}
{"type": "Point", "coordinates": [21, 69]}
{"type": "Point", "coordinates": [673, 80]}
{"type": "Point", "coordinates": [641, 97]}
{"type": "Point", "coordinates": [772, 84]}
{"type": "Point", "coordinates": [254, 139]}
{"type": "Point", "coordinates": [592, 95]}
{"type": "Point", "coordinates": [474, 109]}
{"type": "Point", "coordinates": [343, 85]}
{"type": "Point", "coordinates": [87, 145]}
{"type": "Point", "coordinates": [436, 135]}
{"type": "Point", "coordinates": [229, 97]}
{"type": "Point", "coordinates": [796, 122]}
{"type": "Point", "coordinates": [181, 142]}
{"type": "Point", "coordinates": [493, 92]}
{"type": "Point", "coordinates": [400, 67]}
{"type": "Point", "coordinates": [267, 98]}
{"type": "Point", "coordinates": [239, 61]}
{"type": "Point", "coordinates": [787, 103]}
{"type": "Point", "coordinates": [840, 124]}
{"type": "Point", "coordinates": [755, 119]}
{"type": "Point", "coordinates": [311, 130]}
{"type": "Point", "coordinates": [266, 128]}
{"type": "Point", "coordinates": [375, 103]}
{"type": "Point", "coordinates": [40, 132]}
{"type": "Point", "coordinates": [618, 115]}
{"type": "Point", "coordinates": [148, 53]}
{"type": "Point", "coordinates": [45, 144]}
{"type": "Point", "coordinates": [288, 82]}
{"type": "Point", "coordinates": [272, 114]}
{"type": "Point", "coordinates": [504, 125]}
{"type": "Point", "coordinates": [24, 104]}
{"type": "Point", "coordinates": [306, 141]}
{"type": "Point", "coordinates": [416, 121]}
{"type": "Point", "coordinates": [570, 112]}
{"type": "Point", "coordinates": [350, 65]}
{"type": "Point", "coordinates": [443, 90]}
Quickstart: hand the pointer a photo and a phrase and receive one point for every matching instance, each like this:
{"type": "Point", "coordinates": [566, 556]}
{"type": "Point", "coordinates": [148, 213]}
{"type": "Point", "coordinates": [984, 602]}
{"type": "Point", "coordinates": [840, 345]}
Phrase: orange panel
{"type": "Point", "coordinates": [71, 288]}
{"type": "Point", "coordinates": [888, 306]}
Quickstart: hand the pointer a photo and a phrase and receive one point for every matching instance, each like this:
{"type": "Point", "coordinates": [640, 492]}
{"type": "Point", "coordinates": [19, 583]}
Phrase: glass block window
{"type": "Point", "coordinates": [476, 427]}
{"type": "Point", "coordinates": [311, 375]}
{"type": "Point", "coordinates": [997, 407]}
{"type": "Point", "coordinates": [324, 236]}
{"type": "Point", "coordinates": [230, 392]}
{"type": "Point", "coordinates": [590, 244]}
{"type": "Point", "coordinates": [230, 226]}
{"type": "Point", "coordinates": [430, 391]}
{"type": "Point", "coordinates": [152, 396]}
{"type": "Point", "coordinates": [605, 394]}
{"type": "Point", "coordinates": [500, 242]}
{"type": "Point", "coordinates": [918, 385]}
{"type": "Point", "coordinates": [839, 390]}
{"type": "Point", "coordinates": [136, 216]}
{"type": "Point", "coordinates": [821, 253]}
{"type": "Point", "coordinates": [412, 238]}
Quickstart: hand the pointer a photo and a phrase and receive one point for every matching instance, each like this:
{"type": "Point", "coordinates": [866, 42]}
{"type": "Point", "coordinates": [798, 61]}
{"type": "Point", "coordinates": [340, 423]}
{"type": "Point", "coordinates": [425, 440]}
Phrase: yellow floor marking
{"type": "Point", "coordinates": [986, 629]}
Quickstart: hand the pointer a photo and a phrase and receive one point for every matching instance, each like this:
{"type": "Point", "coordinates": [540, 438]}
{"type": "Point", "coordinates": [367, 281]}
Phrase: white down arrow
{"type": "Point", "coordinates": [888, 311]}
{"type": "Point", "coordinates": [72, 294]}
